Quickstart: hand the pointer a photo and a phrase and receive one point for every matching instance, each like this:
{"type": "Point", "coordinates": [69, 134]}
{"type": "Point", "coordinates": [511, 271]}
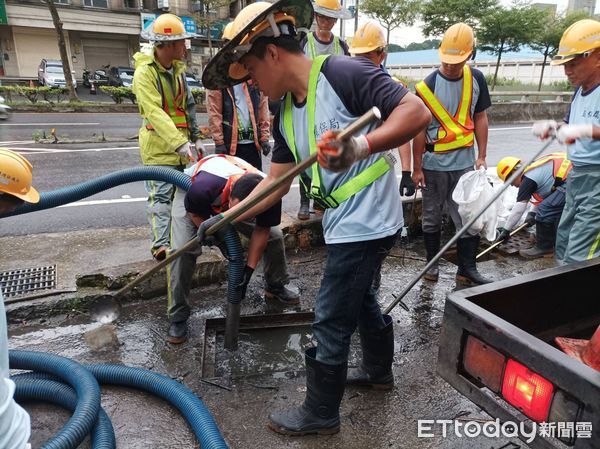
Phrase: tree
{"type": "Point", "coordinates": [207, 17]}
{"type": "Point", "coordinates": [508, 29]}
{"type": "Point", "coordinates": [438, 15]}
{"type": "Point", "coordinates": [392, 13]}
{"type": "Point", "coordinates": [546, 42]}
{"type": "Point", "coordinates": [62, 47]}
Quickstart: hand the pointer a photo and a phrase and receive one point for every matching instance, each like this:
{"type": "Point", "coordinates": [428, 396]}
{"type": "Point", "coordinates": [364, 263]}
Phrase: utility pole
{"type": "Point", "coordinates": [355, 16]}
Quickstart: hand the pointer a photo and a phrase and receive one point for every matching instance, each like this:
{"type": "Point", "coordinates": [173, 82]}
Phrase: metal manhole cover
{"type": "Point", "coordinates": [20, 282]}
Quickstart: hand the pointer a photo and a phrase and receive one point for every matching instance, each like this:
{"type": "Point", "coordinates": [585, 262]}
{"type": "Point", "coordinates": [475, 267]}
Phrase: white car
{"type": "Point", "coordinates": [50, 73]}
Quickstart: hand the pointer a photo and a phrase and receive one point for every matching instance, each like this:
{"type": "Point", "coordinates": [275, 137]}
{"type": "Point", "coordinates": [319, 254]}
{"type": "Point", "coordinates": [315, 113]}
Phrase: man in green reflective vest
{"type": "Point", "coordinates": [169, 118]}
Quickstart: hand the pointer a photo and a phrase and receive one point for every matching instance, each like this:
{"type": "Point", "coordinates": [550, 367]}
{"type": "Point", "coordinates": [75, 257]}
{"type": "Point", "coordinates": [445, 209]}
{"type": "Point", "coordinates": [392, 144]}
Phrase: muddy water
{"type": "Point", "coordinates": [267, 372]}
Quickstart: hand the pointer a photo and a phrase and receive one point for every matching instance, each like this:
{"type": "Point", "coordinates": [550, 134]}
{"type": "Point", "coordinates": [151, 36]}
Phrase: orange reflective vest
{"type": "Point", "coordinates": [222, 203]}
{"type": "Point", "coordinates": [173, 99]}
{"type": "Point", "coordinates": [561, 167]}
{"type": "Point", "coordinates": [455, 131]}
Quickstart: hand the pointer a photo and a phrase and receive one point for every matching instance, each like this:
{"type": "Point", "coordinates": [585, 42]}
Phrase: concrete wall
{"type": "Point", "coordinates": [526, 112]}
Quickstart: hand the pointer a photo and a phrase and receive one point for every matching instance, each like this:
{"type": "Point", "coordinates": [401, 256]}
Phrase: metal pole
{"type": "Point", "coordinates": [464, 229]}
{"type": "Point", "coordinates": [487, 250]}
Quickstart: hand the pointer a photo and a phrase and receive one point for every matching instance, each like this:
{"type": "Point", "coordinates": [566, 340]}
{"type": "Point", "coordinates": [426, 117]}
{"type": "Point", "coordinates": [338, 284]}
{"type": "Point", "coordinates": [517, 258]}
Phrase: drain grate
{"type": "Point", "coordinates": [20, 282]}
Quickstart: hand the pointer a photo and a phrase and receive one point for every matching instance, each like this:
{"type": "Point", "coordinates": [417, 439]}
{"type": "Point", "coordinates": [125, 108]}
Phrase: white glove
{"type": "Point", "coordinates": [336, 155]}
{"type": "Point", "coordinates": [184, 150]}
{"type": "Point", "coordinates": [568, 134]}
{"type": "Point", "coordinates": [544, 129]}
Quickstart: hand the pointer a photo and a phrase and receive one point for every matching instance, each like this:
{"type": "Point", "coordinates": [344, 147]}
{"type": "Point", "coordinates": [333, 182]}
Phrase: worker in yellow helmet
{"type": "Point", "coordinates": [369, 42]}
{"type": "Point", "coordinates": [15, 189]}
{"type": "Point", "coordinates": [354, 178]}
{"type": "Point", "coordinates": [578, 234]}
{"type": "Point", "coordinates": [543, 184]}
{"type": "Point", "coordinates": [169, 118]}
{"type": "Point", "coordinates": [322, 42]}
{"type": "Point", "coordinates": [457, 97]}
{"type": "Point", "coordinates": [239, 120]}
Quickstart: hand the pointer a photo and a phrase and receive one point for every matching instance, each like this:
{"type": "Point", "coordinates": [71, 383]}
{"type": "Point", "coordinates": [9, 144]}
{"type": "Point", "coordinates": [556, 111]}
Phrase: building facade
{"type": "Point", "coordinates": [100, 33]}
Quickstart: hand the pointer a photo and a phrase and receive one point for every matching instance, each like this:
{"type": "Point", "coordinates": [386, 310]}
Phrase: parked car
{"type": "Point", "coordinates": [50, 73]}
{"type": "Point", "coordinates": [192, 81]}
{"type": "Point", "coordinates": [120, 76]}
{"type": "Point", "coordinates": [99, 77]}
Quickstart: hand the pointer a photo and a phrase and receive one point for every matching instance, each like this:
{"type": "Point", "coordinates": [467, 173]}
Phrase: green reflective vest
{"type": "Point", "coordinates": [173, 98]}
{"type": "Point", "coordinates": [350, 187]}
{"type": "Point", "coordinates": [312, 47]}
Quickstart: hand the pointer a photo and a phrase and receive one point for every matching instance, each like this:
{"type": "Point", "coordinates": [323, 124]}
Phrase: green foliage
{"type": "Point", "coordinates": [37, 135]}
{"type": "Point", "coordinates": [508, 29]}
{"type": "Point", "coordinates": [8, 91]}
{"type": "Point", "coordinates": [51, 95]}
{"type": "Point", "coordinates": [118, 94]}
{"type": "Point", "coordinates": [438, 15]}
{"type": "Point", "coordinates": [427, 44]}
{"type": "Point", "coordinates": [199, 95]}
{"type": "Point", "coordinates": [392, 13]}
{"type": "Point", "coordinates": [54, 94]}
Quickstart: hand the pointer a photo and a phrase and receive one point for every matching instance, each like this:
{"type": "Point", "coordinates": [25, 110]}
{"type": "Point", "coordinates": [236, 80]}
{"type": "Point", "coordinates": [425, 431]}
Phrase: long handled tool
{"type": "Point", "coordinates": [106, 307]}
{"type": "Point", "coordinates": [467, 225]}
{"type": "Point", "coordinates": [491, 247]}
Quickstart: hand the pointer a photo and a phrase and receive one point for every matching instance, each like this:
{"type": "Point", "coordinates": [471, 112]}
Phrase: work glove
{"type": "Point", "coordinates": [185, 151]}
{"type": "Point", "coordinates": [503, 235]}
{"type": "Point", "coordinates": [544, 129]}
{"type": "Point", "coordinates": [339, 155]}
{"type": "Point", "coordinates": [243, 285]}
{"type": "Point", "coordinates": [221, 149]}
{"type": "Point", "coordinates": [266, 148]}
{"type": "Point", "coordinates": [200, 149]}
{"type": "Point", "coordinates": [407, 185]}
{"type": "Point", "coordinates": [213, 239]}
{"type": "Point", "coordinates": [568, 134]}
{"type": "Point", "coordinates": [530, 219]}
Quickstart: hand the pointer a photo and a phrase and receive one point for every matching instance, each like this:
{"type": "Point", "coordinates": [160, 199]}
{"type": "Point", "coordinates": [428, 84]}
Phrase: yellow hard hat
{"type": "Point", "coordinates": [457, 44]}
{"type": "Point", "coordinates": [368, 37]}
{"type": "Point", "coordinates": [506, 166]}
{"type": "Point", "coordinates": [260, 19]}
{"type": "Point", "coordinates": [579, 38]}
{"type": "Point", "coordinates": [166, 27]}
{"type": "Point", "coordinates": [15, 176]}
{"type": "Point", "coordinates": [228, 31]}
{"type": "Point", "coordinates": [332, 8]}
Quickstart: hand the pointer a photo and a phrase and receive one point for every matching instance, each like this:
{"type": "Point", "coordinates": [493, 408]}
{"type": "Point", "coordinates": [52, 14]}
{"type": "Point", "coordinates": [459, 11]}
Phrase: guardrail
{"type": "Point", "coordinates": [526, 95]}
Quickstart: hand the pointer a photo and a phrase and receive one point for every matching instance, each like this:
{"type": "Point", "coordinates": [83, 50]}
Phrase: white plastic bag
{"type": "Point", "coordinates": [471, 193]}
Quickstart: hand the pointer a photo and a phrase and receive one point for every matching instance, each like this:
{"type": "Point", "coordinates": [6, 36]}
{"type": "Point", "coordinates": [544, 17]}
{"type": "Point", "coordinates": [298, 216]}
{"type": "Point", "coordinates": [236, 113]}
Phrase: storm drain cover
{"type": "Point", "coordinates": [27, 280]}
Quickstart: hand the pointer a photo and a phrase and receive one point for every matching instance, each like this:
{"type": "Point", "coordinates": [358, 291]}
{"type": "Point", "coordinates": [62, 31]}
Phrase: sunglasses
{"type": "Point", "coordinates": [585, 54]}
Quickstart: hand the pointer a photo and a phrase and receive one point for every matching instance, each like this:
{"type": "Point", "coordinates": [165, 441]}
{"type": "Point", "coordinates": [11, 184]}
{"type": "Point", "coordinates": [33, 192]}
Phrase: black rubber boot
{"type": "Point", "coordinates": [178, 332]}
{"type": "Point", "coordinates": [320, 412]}
{"type": "Point", "coordinates": [304, 211]}
{"type": "Point", "coordinates": [545, 238]}
{"type": "Point", "coordinates": [282, 294]}
{"type": "Point", "coordinates": [467, 273]}
{"type": "Point", "coordinates": [432, 246]}
{"type": "Point", "coordinates": [378, 354]}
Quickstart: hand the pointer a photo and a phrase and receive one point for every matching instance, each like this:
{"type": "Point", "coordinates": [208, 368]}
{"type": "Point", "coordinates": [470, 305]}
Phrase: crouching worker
{"type": "Point", "coordinates": [544, 184]}
{"type": "Point", "coordinates": [15, 189]}
{"type": "Point", "coordinates": [219, 182]}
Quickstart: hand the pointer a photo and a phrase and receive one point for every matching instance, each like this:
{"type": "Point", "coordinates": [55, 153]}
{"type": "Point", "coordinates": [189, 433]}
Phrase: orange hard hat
{"type": "Point", "coordinates": [586, 351]}
{"type": "Point", "coordinates": [581, 37]}
{"type": "Point", "coordinates": [368, 37]}
{"type": "Point", "coordinates": [166, 27]}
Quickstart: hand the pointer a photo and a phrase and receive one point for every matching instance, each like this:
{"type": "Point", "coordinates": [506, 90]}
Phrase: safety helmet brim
{"type": "Point", "coordinates": [151, 36]}
{"type": "Point", "coordinates": [342, 13]}
{"type": "Point", "coordinates": [217, 74]}
{"type": "Point", "coordinates": [453, 59]}
{"type": "Point", "coordinates": [32, 196]}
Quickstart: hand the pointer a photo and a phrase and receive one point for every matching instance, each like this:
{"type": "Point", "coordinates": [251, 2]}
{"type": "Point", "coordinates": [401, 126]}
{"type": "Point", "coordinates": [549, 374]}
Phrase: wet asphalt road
{"type": "Point", "coordinates": [268, 371]}
{"type": "Point", "coordinates": [60, 165]}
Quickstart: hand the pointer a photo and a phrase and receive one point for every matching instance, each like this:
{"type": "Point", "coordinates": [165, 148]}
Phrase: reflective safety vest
{"type": "Point", "coordinates": [456, 131]}
{"type": "Point", "coordinates": [350, 187]}
{"type": "Point", "coordinates": [561, 167]}
{"type": "Point", "coordinates": [221, 204]}
{"type": "Point", "coordinates": [173, 99]}
{"type": "Point", "coordinates": [312, 46]}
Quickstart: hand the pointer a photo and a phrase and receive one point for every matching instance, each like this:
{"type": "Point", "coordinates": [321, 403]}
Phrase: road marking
{"type": "Point", "coordinates": [16, 142]}
{"type": "Point", "coordinates": [101, 202]}
{"type": "Point", "coordinates": [49, 124]}
{"type": "Point", "coordinates": [511, 128]}
{"type": "Point", "coordinates": [61, 150]}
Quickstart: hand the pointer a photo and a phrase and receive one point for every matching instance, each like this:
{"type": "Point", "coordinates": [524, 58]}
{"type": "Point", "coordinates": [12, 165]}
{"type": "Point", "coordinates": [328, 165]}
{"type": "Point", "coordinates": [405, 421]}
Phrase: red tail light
{"type": "Point", "coordinates": [527, 391]}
